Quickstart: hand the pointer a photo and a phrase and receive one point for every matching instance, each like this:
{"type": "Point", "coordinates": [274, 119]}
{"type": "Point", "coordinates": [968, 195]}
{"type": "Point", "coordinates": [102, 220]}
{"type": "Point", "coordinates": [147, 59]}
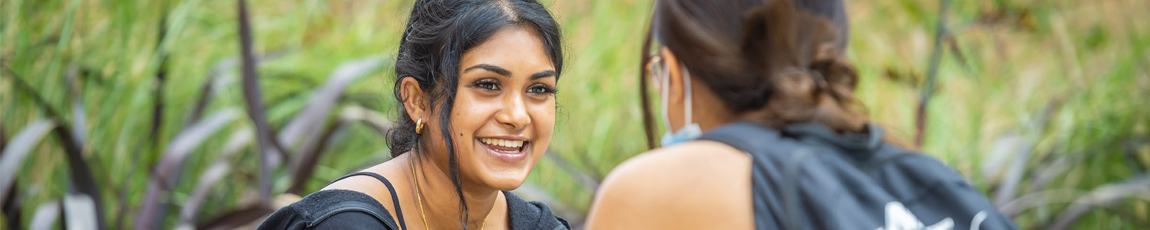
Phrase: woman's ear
{"type": "Point", "coordinates": [414, 99]}
{"type": "Point", "coordinates": [675, 73]}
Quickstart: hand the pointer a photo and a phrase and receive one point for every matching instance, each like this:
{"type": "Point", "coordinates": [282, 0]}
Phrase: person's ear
{"type": "Point", "coordinates": [414, 99]}
{"type": "Point", "coordinates": [675, 73]}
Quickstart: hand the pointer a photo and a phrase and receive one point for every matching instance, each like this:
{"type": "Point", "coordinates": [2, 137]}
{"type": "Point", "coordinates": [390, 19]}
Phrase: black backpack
{"type": "Point", "coordinates": [809, 177]}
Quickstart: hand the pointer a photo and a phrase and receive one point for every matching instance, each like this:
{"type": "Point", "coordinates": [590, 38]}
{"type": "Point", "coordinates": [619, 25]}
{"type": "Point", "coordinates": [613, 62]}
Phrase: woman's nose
{"type": "Point", "coordinates": [514, 112]}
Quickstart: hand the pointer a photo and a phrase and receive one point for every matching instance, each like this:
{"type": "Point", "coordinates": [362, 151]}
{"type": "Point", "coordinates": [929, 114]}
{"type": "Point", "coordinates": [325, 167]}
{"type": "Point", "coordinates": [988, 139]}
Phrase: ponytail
{"type": "Point", "coordinates": [799, 56]}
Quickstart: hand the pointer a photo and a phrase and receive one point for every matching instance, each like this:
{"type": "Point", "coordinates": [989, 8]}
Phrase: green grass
{"type": "Point", "coordinates": [1082, 65]}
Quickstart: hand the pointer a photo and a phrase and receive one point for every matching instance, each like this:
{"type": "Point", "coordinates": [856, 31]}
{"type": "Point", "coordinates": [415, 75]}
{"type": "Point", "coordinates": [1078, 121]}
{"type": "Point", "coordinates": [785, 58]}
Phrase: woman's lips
{"type": "Point", "coordinates": [506, 149]}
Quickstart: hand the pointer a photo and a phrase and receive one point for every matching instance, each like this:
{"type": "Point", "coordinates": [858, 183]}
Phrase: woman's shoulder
{"type": "Point", "coordinates": [688, 182]}
{"type": "Point", "coordinates": [331, 209]}
{"type": "Point", "coordinates": [691, 163]}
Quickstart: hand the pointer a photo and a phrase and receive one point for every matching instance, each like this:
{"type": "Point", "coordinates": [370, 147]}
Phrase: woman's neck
{"type": "Point", "coordinates": [710, 111]}
{"type": "Point", "coordinates": [439, 198]}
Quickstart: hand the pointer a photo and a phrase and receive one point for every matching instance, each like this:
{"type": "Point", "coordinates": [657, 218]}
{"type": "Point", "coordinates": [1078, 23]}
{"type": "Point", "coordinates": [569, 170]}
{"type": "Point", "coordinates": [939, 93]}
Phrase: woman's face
{"type": "Point", "coordinates": [504, 109]}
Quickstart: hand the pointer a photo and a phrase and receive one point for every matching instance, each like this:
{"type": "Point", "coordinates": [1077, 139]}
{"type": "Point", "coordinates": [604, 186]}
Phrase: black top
{"type": "Point", "coordinates": [346, 209]}
{"type": "Point", "coordinates": [807, 176]}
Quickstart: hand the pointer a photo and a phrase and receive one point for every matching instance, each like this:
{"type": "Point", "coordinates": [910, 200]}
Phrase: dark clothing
{"type": "Point", "coordinates": [346, 209]}
{"type": "Point", "coordinates": [809, 177]}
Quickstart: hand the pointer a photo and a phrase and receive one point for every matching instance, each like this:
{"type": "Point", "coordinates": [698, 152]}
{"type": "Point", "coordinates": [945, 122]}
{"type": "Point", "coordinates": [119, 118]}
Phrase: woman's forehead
{"type": "Point", "coordinates": [511, 47]}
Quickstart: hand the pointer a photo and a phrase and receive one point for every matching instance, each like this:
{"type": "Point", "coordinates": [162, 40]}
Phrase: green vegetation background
{"type": "Point", "coordinates": [1041, 104]}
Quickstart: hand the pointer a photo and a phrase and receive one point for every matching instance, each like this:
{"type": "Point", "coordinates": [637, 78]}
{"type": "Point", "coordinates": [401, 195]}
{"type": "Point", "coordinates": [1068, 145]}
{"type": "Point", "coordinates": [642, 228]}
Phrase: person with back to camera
{"type": "Point", "coordinates": [476, 83]}
{"type": "Point", "coordinates": [764, 132]}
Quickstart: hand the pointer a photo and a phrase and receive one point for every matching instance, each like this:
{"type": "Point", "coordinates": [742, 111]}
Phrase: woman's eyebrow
{"type": "Point", "coordinates": [548, 73]}
{"type": "Point", "coordinates": [493, 69]}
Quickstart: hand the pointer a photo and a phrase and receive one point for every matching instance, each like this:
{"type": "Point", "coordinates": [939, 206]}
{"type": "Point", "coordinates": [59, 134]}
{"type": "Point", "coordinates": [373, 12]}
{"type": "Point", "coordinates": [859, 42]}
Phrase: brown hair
{"type": "Point", "coordinates": [783, 58]}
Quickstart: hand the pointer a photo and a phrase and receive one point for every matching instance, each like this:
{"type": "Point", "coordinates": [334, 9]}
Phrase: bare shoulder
{"type": "Point", "coordinates": [700, 183]}
{"type": "Point", "coordinates": [693, 163]}
{"type": "Point", "coordinates": [371, 186]}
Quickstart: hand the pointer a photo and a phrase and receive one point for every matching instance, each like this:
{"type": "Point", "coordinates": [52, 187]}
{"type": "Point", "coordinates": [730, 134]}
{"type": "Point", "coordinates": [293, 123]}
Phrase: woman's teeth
{"type": "Point", "coordinates": [502, 142]}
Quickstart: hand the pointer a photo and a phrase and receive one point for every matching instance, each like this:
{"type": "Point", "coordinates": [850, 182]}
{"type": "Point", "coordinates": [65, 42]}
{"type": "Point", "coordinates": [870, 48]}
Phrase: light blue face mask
{"type": "Point", "coordinates": [690, 130]}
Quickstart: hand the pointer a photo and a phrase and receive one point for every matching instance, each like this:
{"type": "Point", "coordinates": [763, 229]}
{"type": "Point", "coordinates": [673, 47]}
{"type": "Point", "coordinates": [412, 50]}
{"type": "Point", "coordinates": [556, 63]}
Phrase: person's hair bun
{"type": "Point", "coordinates": [800, 56]}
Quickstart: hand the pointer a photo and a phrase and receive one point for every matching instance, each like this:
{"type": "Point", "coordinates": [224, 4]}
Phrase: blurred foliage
{"type": "Point", "coordinates": [1042, 104]}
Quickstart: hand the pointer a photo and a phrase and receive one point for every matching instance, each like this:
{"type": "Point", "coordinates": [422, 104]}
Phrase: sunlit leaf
{"type": "Point", "coordinates": [19, 148]}
{"type": "Point", "coordinates": [46, 216]}
{"type": "Point", "coordinates": [80, 212]}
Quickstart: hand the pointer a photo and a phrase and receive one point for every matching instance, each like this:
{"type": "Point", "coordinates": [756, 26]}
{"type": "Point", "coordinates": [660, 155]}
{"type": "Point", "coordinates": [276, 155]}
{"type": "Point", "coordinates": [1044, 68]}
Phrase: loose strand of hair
{"type": "Point", "coordinates": [648, 123]}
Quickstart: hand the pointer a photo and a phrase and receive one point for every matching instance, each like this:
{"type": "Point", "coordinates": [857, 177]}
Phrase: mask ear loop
{"type": "Point", "coordinates": [687, 87]}
{"type": "Point", "coordinates": [665, 94]}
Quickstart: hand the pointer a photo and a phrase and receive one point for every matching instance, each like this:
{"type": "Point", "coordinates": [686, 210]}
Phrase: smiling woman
{"type": "Point", "coordinates": [476, 81]}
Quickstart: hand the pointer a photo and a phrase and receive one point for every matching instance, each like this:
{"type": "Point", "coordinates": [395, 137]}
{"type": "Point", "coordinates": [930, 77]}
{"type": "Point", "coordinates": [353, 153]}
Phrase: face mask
{"type": "Point", "coordinates": [690, 130]}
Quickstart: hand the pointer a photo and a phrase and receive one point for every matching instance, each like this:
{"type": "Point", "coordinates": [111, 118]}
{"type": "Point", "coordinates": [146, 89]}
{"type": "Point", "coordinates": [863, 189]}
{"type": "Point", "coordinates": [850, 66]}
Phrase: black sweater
{"type": "Point", "coordinates": [346, 209]}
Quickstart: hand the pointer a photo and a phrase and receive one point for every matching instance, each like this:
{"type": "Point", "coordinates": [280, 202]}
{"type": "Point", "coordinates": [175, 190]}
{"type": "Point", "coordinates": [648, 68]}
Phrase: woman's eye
{"type": "Point", "coordinates": [541, 89]}
{"type": "Point", "coordinates": [487, 84]}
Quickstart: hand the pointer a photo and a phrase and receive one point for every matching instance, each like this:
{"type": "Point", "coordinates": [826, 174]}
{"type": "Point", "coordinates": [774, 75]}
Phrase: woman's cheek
{"type": "Point", "coordinates": [545, 124]}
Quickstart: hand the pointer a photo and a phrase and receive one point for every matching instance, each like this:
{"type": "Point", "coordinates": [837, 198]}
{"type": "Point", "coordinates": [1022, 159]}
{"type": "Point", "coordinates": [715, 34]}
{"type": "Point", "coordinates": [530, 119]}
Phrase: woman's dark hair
{"type": "Point", "coordinates": [438, 33]}
{"type": "Point", "coordinates": [782, 57]}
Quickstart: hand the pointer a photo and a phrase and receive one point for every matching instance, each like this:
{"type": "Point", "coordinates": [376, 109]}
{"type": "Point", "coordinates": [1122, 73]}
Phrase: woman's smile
{"type": "Point", "coordinates": [509, 149]}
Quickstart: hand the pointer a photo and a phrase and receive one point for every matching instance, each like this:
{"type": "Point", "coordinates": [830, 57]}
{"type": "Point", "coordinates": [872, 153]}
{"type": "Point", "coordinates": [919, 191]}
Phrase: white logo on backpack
{"type": "Point", "coordinates": [898, 217]}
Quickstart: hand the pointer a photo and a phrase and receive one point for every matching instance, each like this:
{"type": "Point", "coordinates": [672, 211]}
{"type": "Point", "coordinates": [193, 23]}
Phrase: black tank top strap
{"type": "Point", "coordinates": [390, 189]}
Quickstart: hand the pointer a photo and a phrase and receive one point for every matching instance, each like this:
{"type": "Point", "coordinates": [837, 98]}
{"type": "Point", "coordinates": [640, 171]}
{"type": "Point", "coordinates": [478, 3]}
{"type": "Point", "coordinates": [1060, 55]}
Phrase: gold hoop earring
{"type": "Point", "coordinates": [419, 126]}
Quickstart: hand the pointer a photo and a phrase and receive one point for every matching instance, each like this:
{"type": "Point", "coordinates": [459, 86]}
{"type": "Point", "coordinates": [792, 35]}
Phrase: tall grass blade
{"type": "Point", "coordinates": [3, 138]}
{"type": "Point", "coordinates": [1008, 186]}
{"type": "Point", "coordinates": [1130, 151]}
{"type": "Point", "coordinates": [14, 154]}
{"type": "Point", "coordinates": [1037, 199]}
{"type": "Point", "coordinates": [206, 89]}
{"type": "Point", "coordinates": [160, 78]}
{"type": "Point", "coordinates": [372, 118]}
{"type": "Point", "coordinates": [23, 86]}
{"type": "Point", "coordinates": [1005, 146]}
{"type": "Point", "coordinates": [80, 212]}
{"type": "Point", "coordinates": [254, 100]}
{"type": "Point", "coordinates": [212, 82]}
{"type": "Point", "coordinates": [167, 171]}
{"type": "Point", "coordinates": [79, 119]}
{"type": "Point", "coordinates": [212, 175]}
{"type": "Point", "coordinates": [12, 206]}
{"type": "Point", "coordinates": [307, 160]}
{"type": "Point", "coordinates": [1048, 172]}
{"type": "Point", "coordinates": [305, 163]}
{"type": "Point", "coordinates": [81, 175]}
{"type": "Point", "coordinates": [304, 128]}
{"type": "Point", "coordinates": [46, 216]}
{"type": "Point", "coordinates": [237, 218]}
{"type": "Point", "coordinates": [1137, 188]}
{"type": "Point", "coordinates": [932, 74]}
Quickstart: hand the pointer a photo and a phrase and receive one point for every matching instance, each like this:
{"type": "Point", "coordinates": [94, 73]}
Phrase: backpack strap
{"type": "Point", "coordinates": [390, 189]}
{"type": "Point", "coordinates": [744, 135]}
{"type": "Point", "coordinates": [753, 138]}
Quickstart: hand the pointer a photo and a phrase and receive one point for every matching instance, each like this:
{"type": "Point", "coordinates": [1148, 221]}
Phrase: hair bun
{"type": "Point", "coordinates": [778, 36]}
{"type": "Point", "coordinates": [800, 55]}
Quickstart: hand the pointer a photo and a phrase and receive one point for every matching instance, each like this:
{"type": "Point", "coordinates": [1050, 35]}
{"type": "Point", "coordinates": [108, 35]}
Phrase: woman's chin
{"type": "Point", "coordinates": [504, 177]}
{"type": "Point", "coordinates": [506, 184]}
